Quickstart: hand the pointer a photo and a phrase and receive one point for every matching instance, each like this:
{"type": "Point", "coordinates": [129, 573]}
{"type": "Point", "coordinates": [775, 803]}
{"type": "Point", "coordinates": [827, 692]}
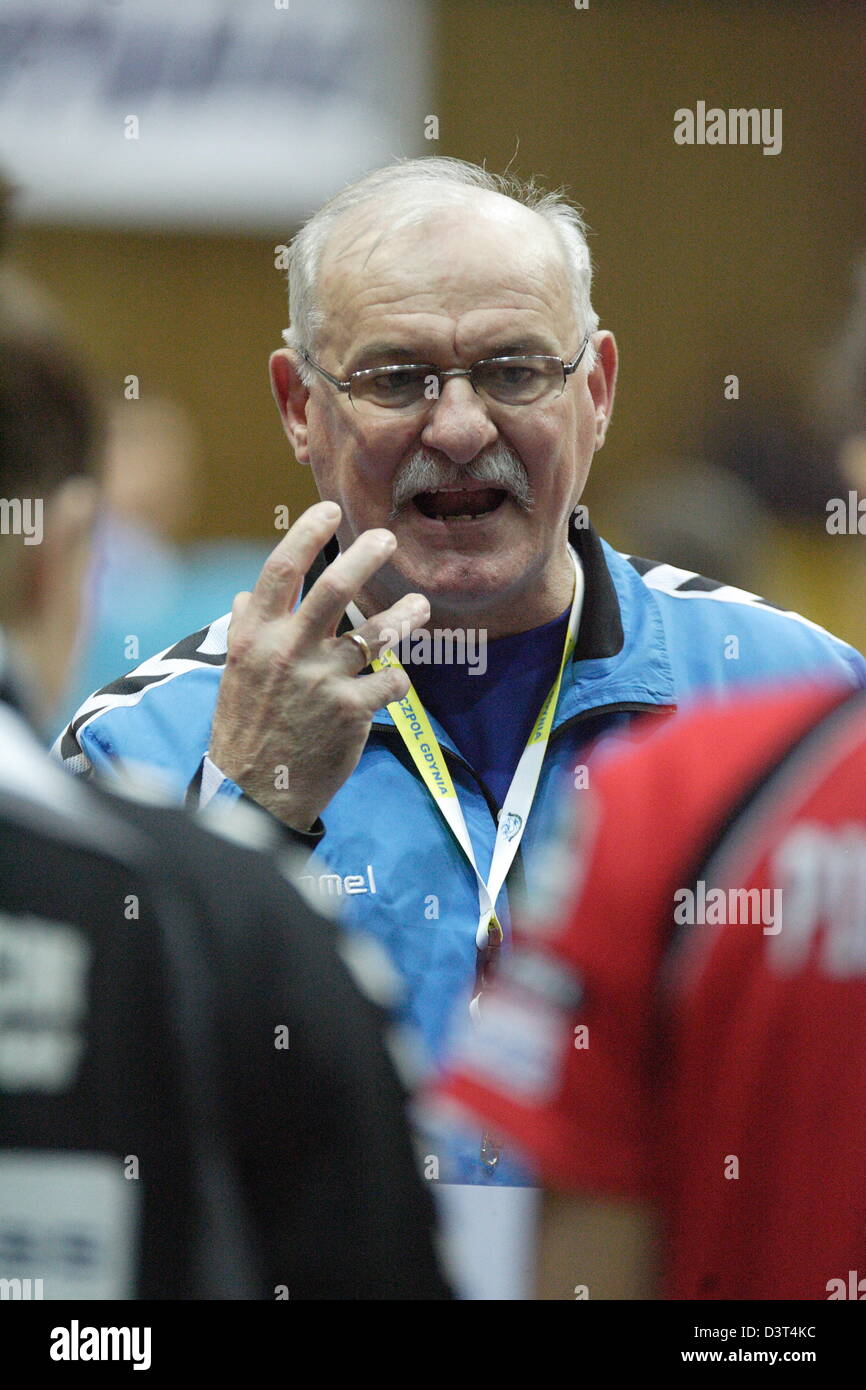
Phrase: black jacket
{"type": "Point", "coordinates": [196, 1099]}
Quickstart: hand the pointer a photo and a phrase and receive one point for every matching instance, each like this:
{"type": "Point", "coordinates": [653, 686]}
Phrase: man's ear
{"type": "Point", "coordinates": [602, 382]}
{"type": "Point", "coordinates": [61, 557]}
{"type": "Point", "coordinates": [291, 396]}
{"type": "Point", "coordinates": [51, 586]}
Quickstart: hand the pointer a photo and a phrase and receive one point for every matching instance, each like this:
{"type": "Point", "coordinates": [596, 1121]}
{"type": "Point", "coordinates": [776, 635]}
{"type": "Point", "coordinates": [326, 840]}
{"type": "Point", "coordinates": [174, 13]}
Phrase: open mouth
{"type": "Point", "coordinates": [460, 506]}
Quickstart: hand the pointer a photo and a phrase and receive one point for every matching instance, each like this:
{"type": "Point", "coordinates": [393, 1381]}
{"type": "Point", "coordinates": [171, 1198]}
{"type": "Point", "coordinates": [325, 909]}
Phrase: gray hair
{"type": "Point", "coordinates": [441, 179]}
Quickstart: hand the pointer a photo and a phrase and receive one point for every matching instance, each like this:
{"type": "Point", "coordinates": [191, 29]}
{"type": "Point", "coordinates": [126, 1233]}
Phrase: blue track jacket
{"type": "Point", "coordinates": [652, 637]}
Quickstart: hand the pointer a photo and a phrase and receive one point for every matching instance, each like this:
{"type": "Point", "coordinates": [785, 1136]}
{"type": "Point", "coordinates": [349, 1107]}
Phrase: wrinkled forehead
{"type": "Point", "coordinates": [479, 262]}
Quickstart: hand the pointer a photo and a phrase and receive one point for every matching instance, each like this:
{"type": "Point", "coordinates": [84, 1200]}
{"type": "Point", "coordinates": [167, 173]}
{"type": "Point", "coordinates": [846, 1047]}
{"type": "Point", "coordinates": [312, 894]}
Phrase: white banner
{"type": "Point", "coordinates": [233, 113]}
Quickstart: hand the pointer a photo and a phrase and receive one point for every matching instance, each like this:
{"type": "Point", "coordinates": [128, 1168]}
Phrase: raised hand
{"type": "Point", "coordinates": [293, 713]}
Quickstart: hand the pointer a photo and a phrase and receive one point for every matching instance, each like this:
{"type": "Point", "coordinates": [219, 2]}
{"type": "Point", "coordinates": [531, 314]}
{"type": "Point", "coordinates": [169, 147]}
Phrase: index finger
{"type": "Point", "coordinates": [325, 604]}
{"type": "Point", "coordinates": [283, 573]}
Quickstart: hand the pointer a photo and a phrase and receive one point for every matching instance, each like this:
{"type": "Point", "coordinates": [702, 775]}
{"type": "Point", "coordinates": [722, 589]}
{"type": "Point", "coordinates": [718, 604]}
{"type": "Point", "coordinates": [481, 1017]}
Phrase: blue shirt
{"type": "Point", "coordinates": [490, 716]}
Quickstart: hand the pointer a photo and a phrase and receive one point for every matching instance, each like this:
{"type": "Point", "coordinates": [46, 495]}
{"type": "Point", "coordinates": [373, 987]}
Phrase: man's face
{"type": "Point", "coordinates": [470, 282]}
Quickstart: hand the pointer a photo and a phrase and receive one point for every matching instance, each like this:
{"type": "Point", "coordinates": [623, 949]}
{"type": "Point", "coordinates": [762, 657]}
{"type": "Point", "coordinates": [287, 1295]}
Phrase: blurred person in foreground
{"type": "Point", "coordinates": [678, 1045]}
{"type": "Point", "coordinates": [195, 1096]}
{"type": "Point", "coordinates": [446, 380]}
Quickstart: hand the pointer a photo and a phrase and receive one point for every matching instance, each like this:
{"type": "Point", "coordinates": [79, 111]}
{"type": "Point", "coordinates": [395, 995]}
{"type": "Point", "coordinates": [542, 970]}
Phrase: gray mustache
{"type": "Point", "coordinates": [425, 472]}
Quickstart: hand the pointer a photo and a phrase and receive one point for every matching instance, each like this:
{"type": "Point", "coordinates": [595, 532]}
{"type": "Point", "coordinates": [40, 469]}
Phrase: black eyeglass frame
{"type": "Point", "coordinates": [441, 375]}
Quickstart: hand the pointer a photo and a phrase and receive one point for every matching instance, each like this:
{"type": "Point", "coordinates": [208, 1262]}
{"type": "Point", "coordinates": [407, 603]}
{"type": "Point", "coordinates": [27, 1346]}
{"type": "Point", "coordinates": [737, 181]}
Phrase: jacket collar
{"type": "Point", "coordinates": [600, 633]}
{"type": "Point", "coordinates": [621, 656]}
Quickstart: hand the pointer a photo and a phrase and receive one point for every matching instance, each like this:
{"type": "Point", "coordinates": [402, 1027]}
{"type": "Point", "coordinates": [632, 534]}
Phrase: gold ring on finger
{"type": "Point", "coordinates": [363, 646]}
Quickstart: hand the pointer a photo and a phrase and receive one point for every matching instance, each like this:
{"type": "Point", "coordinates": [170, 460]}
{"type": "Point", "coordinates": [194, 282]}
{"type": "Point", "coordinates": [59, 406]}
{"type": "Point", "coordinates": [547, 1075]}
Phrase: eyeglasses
{"type": "Point", "coordinates": [509, 380]}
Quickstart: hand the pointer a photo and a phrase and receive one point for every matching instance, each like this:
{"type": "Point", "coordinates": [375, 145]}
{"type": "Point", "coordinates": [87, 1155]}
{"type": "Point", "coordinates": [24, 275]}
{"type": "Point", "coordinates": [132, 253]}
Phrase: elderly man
{"type": "Point", "coordinates": [446, 380]}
